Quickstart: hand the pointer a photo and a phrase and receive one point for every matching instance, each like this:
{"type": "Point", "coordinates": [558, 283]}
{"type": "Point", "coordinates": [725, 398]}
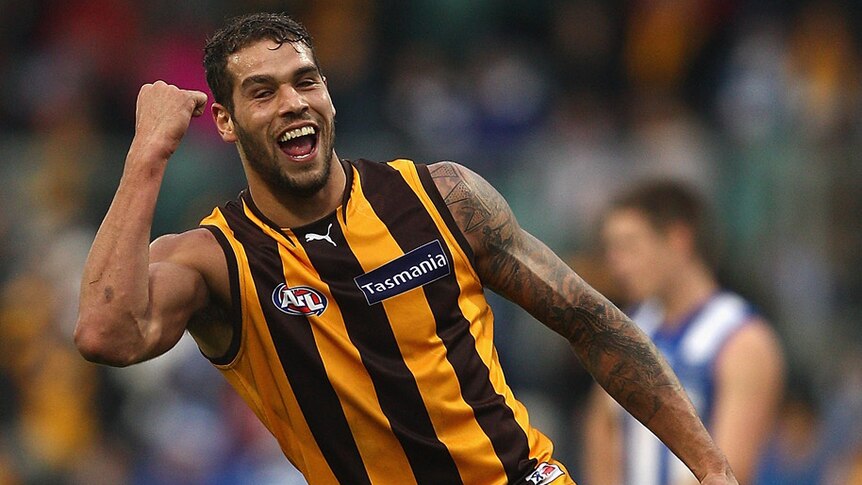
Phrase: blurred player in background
{"type": "Point", "coordinates": [659, 249]}
{"type": "Point", "coordinates": [343, 299]}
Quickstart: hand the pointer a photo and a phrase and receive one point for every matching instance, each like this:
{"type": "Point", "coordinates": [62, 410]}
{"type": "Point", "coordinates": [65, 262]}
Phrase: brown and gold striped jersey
{"type": "Point", "coordinates": [364, 341]}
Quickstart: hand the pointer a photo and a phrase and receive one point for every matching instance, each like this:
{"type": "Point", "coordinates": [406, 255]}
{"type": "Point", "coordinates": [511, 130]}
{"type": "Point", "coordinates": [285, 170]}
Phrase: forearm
{"type": "Point", "coordinates": [628, 366]}
{"type": "Point", "coordinates": [612, 348]}
{"type": "Point", "coordinates": [114, 288]}
{"type": "Point", "coordinates": [118, 321]}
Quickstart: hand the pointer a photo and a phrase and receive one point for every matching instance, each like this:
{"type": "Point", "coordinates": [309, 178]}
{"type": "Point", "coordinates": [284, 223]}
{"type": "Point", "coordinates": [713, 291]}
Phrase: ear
{"type": "Point", "coordinates": [224, 123]}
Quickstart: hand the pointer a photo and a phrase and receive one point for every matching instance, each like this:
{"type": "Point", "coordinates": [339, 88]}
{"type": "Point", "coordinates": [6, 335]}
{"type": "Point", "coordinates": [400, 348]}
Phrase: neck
{"type": "Point", "coordinates": [690, 288]}
{"type": "Point", "coordinates": [290, 210]}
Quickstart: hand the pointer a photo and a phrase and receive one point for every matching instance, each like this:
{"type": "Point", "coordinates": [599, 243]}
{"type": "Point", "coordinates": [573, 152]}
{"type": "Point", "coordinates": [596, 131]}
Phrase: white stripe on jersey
{"type": "Point", "coordinates": [692, 355]}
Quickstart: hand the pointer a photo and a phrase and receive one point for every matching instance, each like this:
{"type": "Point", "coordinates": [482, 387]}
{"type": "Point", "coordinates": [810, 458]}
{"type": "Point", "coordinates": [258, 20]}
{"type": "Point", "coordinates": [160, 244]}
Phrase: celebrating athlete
{"type": "Point", "coordinates": [343, 299]}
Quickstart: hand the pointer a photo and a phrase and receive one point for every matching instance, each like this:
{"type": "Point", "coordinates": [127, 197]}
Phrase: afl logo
{"type": "Point", "coordinates": [299, 300]}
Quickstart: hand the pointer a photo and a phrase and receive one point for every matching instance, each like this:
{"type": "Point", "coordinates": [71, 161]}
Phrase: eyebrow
{"type": "Point", "coordinates": [269, 79]}
{"type": "Point", "coordinates": [257, 79]}
{"type": "Point", "coordinates": [302, 71]}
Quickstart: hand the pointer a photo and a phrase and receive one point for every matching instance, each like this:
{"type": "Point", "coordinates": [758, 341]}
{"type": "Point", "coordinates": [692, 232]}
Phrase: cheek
{"type": "Point", "coordinates": [330, 107]}
{"type": "Point", "coordinates": [634, 264]}
{"type": "Point", "coordinates": [323, 105]}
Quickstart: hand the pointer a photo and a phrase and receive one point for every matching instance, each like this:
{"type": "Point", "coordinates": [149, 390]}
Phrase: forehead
{"type": "Point", "coordinates": [268, 57]}
{"type": "Point", "coordinates": [626, 222]}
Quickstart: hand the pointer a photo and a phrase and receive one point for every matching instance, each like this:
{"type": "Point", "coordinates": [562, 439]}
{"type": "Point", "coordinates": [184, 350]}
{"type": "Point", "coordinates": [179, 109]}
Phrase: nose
{"type": "Point", "coordinates": [291, 101]}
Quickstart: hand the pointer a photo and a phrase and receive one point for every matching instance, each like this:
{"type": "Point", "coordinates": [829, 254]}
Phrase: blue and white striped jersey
{"type": "Point", "coordinates": [692, 349]}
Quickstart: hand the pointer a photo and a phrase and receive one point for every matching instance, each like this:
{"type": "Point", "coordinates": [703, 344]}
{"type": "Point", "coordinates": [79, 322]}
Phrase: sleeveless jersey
{"type": "Point", "coordinates": [692, 350]}
{"type": "Point", "coordinates": [364, 343]}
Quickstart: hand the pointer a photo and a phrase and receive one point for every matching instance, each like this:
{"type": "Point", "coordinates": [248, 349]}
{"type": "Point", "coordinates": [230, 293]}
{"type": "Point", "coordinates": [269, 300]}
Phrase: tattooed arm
{"type": "Point", "coordinates": [618, 355]}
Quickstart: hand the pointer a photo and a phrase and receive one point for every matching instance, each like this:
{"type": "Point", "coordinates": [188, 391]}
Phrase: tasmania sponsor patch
{"type": "Point", "coordinates": [299, 300]}
{"type": "Point", "coordinates": [544, 473]}
{"type": "Point", "coordinates": [416, 268]}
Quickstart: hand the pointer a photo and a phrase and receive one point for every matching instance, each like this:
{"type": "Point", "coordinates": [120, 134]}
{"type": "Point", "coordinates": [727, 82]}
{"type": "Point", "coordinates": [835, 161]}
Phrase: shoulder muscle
{"type": "Point", "coordinates": [735, 365]}
{"type": "Point", "coordinates": [196, 250]}
{"type": "Point", "coordinates": [482, 214]}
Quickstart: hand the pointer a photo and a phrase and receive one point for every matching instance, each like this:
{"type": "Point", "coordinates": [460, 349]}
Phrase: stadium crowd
{"type": "Point", "coordinates": [559, 103]}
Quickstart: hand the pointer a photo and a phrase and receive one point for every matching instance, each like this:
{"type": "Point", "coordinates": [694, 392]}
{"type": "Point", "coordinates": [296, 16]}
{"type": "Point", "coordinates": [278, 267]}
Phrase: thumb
{"type": "Point", "coordinates": [200, 99]}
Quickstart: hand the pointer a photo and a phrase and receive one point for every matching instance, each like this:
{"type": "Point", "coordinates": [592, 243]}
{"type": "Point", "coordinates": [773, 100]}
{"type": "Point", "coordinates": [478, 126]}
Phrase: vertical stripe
{"type": "Point", "coordinates": [235, 310]}
{"type": "Point", "coordinates": [294, 343]}
{"type": "Point", "coordinates": [442, 209]}
{"type": "Point", "coordinates": [390, 195]}
{"type": "Point", "coordinates": [664, 467]}
{"type": "Point", "coordinates": [349, 378]}
{"type": "Point", "coordinates": [423, 351]}
{"type": "Point", "coordinates": [645, 454]}
{"type": "Point", "coordinates": [370, 332]}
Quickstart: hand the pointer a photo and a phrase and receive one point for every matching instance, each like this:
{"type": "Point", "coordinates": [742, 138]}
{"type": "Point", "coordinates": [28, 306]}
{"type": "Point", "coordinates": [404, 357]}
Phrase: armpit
{"type": "Point", "coordinates": [213, 331]}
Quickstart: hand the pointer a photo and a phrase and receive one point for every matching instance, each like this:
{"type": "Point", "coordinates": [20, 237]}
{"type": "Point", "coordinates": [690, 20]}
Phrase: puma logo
{"type": "Point", "coordinates": [321, 237]}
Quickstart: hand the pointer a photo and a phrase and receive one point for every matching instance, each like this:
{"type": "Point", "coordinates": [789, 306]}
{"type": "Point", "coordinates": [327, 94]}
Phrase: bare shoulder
{"type": "Point", "coordinates": [467, 194]}
{"type": "Point", "coordinates": [197, 249]}
{"type": "Point", "coordinates": [759, 339]}
{"type": "Point", "coordinates": [480, 211]}
{"type": "Point", "coordinates": [756, 338]}
{"type": "Point", "coordinates": [183, 245]}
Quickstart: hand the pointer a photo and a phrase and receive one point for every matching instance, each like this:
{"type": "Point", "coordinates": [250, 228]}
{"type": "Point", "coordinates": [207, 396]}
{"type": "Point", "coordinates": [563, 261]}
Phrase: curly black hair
{"type": "Point", "coordinates": [240, 32]}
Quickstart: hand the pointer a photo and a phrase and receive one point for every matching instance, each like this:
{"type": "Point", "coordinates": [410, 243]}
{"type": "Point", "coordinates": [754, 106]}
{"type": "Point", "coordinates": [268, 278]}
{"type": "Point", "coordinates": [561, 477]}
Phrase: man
{"type": "Point", "coordinates": [343, 299]}
{"type": "Point", "coordinates": [726, 356]}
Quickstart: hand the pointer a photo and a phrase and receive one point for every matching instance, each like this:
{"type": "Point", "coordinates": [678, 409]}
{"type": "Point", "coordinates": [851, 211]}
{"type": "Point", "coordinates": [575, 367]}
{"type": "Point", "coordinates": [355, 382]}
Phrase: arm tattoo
{"type": "Point", "coordinates": [519, 267]}
{"type": "Point", "coordinates": [481, 213]}
{"type": "Point", "coordinates": [472, 212]}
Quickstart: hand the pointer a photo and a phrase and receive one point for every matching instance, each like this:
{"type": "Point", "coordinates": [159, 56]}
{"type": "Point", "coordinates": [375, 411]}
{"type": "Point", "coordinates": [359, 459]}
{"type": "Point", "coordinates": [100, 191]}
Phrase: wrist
{"type": "Point", "coordinates": [150, 148]}
{"type": "Point", "coordinates": [716, 468]}
{"type": "Point", "coordinates": [146, 159]}
{"type": "Point", "coordinates": [725, 478]}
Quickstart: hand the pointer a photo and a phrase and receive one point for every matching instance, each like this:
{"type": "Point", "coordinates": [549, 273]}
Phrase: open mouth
{"type": "Point", "coordinates": [299, 143]}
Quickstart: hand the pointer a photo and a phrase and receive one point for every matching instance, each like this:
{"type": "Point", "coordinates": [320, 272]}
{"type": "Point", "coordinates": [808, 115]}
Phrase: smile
{"type": "Point", "coordinates": [299, 143]}
{"type": "Point", "coordinates": [292, 134]}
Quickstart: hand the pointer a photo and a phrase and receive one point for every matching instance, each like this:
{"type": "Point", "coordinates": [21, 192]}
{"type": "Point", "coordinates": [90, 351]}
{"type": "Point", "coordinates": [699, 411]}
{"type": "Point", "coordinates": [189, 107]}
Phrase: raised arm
{"type": "Point", "coordinates": [618, 355]}
{"type": "Point", "coordinates": [134, 307]}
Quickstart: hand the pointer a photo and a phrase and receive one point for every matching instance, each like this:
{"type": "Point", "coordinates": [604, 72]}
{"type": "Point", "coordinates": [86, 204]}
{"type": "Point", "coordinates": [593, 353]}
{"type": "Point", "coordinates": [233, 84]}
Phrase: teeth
{"type": "Point", "coordinates": [290, 135]}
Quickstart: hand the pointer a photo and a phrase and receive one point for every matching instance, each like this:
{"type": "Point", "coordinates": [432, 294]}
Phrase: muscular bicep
{"type": "Point", "coordinates": [515, 264]}
{"type": "Point", "coordinates": [176, 293]}
{"type": "Point", "coordinates": [177, 289]}
{"type": "Point", "coordinates": [521, 268]}
{"type": "Point", "coordinates": [507, 258]}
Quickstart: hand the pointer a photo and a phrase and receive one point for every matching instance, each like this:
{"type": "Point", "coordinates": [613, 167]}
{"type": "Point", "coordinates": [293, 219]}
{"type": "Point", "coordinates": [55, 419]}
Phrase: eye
{"type": "Point", "coordinates": [307, 82]}
{"type": "Point", "coordinates": [262, 93]}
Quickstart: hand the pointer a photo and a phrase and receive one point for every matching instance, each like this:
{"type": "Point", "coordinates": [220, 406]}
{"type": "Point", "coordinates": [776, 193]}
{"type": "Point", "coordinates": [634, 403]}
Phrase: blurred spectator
{"type": "Point", "coordinates": [659, 241]}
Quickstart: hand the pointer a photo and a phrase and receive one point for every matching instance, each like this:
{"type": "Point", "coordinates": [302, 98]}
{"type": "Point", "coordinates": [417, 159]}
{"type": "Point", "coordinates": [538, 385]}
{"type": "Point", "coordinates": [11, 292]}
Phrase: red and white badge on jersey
{"type": "Point", "coordinates": [299, 300]}
{"type": "Point", "coordinates": [545, 473]}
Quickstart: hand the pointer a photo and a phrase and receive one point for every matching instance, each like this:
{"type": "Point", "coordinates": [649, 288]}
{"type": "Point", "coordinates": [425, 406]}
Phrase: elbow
{"type": "Point", "coordinates": [96, 345]}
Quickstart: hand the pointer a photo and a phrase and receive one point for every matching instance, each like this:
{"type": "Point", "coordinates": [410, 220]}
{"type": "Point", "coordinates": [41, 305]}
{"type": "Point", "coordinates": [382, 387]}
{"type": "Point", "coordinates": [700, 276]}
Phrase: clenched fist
{"type": "Point", "coordinates": [162, 117]}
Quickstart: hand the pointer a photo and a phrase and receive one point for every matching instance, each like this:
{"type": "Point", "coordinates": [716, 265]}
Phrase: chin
{"type": "Point", "coordinates": [307, 185]}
